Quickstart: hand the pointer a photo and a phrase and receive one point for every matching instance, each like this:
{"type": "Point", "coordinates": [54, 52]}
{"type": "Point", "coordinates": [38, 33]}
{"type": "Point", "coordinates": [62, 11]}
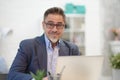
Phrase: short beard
{"type": "Point", "coordinates": [53, 40]}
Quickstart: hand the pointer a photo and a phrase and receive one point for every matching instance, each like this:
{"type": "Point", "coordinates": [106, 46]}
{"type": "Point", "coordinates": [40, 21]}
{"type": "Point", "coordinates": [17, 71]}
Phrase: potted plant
{"type": "Point", "coordinates": [115, 64]}
{"type": "Point", "coordinates": [39, 75]}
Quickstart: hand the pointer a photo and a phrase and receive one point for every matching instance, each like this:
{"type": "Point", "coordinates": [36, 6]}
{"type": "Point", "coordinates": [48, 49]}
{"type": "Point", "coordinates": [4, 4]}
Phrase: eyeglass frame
{"type": "Point", "coordinates": [52, 25]}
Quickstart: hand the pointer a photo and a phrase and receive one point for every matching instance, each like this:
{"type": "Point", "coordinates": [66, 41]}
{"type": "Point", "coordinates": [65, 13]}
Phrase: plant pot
{"type": "Point", "coordinates": [115, 74]}
{"type": "Point", "coordinates": [115, 46]}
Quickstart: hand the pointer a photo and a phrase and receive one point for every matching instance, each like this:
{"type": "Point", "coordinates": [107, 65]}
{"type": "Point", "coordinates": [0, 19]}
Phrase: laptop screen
{"type": "Point", "coordinates": [79, 67]}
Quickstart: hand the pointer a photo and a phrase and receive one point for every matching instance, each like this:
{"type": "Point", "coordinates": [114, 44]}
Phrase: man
{"type": "Point", "coordinates": [41, 52]}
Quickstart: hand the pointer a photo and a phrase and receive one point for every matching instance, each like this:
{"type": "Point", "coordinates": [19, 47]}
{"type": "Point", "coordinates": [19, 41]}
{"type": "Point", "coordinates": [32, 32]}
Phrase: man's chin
{"type": "Point", "coordinates": [53, 40]}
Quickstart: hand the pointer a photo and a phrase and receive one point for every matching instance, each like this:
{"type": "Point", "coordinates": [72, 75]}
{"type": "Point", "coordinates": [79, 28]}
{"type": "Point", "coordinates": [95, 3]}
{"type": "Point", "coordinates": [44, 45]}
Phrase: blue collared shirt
{"type": "Point", "coordinates": [52, 55]}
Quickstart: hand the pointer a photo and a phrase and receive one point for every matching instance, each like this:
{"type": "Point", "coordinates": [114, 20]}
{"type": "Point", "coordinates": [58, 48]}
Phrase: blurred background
{"type": "Point", "coordinates": [89, 24]}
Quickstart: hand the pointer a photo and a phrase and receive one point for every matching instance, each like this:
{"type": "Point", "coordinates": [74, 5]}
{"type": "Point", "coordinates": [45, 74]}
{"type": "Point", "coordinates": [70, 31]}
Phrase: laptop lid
{"type": "Point", "coordinates": [80, 67]}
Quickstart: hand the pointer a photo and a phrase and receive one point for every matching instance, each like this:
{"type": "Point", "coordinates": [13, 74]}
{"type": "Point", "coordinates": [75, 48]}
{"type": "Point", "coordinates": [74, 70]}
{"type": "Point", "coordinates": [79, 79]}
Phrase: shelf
{"type": "Point", "coordinates": [75, 15]}
{"type": "Point", "coordinates": [76, 30]}
{"type": "Point", "coordinates": [115, 46]}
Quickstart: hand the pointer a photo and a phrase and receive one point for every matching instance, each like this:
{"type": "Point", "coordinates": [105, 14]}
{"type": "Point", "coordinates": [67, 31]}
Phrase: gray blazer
{"type": "Point", "coordinates": [32, 56]}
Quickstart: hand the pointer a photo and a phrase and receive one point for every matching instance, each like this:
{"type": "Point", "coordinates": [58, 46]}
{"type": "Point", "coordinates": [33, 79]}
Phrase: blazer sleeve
{"type": "Point", "coordinates": [18, 70]}
{"type": "Point", "coordinates": [75, 50]}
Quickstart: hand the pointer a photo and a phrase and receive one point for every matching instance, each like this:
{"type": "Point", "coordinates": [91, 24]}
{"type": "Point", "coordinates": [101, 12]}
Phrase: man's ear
{"type": "Point", "coordinates": [43, 24]}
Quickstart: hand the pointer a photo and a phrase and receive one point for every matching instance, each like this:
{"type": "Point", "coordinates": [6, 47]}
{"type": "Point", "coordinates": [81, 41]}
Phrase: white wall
{"type": "Point", "coordinates": [93, 28]}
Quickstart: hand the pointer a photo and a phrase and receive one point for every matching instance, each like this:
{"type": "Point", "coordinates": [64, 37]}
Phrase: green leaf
{"type": "Point", "coordinates": [115, 61]}
{"type": "Point", "coordinates": [39, 75]}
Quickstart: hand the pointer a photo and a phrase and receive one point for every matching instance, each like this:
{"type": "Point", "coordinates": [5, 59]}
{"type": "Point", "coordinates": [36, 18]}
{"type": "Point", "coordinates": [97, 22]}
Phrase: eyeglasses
{"type": "Point", "coordinates": [51, 25]}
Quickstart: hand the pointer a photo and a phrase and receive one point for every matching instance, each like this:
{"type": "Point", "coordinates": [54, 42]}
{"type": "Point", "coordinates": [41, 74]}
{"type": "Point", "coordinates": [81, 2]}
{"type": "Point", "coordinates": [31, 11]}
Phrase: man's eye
{"type": "Point", "coordinates": [59, 24]}
{"type": "Point", "coordinates": [50, 24]}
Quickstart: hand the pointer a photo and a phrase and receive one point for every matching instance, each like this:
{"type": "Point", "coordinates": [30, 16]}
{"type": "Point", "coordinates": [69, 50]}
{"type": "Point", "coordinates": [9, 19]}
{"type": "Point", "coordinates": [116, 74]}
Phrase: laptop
{"type": "Point", "coordinates": [79, 67]}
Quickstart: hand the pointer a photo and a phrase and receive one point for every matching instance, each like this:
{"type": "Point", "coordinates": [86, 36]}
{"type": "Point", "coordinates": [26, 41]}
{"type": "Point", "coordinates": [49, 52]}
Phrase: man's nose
{"type": "Point", "coordinates": [54, 28]}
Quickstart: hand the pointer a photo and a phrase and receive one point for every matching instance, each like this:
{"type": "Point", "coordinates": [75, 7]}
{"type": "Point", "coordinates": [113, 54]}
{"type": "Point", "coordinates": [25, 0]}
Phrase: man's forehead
{"type": "Point", "coordinates": [54, 18]}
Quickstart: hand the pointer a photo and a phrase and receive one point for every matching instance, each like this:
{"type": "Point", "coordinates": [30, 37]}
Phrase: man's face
{"type": "Point", "coordinates": [53, 26]}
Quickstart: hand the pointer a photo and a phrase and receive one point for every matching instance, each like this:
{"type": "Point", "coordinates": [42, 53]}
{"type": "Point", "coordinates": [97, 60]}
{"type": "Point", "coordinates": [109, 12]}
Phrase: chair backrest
{"type": "Point", "coordinates": [3, 66]}
{"type": "Point", "coordinates": [3, 76]}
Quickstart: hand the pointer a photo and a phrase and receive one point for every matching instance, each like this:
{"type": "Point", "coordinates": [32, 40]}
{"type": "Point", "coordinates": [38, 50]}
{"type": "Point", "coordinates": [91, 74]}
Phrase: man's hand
{"type": "Point", "coordinates": [45, 78]}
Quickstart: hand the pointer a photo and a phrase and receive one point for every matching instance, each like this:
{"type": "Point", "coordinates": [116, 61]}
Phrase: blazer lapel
{"type": "Point", "coordinates": [42, 53]}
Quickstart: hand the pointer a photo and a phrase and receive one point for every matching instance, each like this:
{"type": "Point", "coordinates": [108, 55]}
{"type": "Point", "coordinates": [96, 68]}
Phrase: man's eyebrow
{"type": "Point", "coordinates": [53, 22]}
{"type": "Point", "coordinates": [50, 21]}
{"type": "Point", "coordinates": [59, 22]}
